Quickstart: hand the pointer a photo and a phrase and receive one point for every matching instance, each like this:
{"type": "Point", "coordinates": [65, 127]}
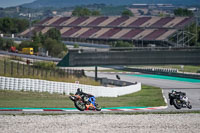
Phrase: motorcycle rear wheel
{"type": "Point", "coordinates": [177, 104]}
{"type": "Point", "coordinates": [79, 105]}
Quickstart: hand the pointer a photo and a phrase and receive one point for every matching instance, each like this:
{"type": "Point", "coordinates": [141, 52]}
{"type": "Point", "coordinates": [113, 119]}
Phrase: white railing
{"type": "Point", "coordinates": [25, 84]}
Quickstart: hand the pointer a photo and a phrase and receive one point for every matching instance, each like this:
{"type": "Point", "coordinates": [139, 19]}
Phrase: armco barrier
{"type": "Point", "coordinates": [25, 84]}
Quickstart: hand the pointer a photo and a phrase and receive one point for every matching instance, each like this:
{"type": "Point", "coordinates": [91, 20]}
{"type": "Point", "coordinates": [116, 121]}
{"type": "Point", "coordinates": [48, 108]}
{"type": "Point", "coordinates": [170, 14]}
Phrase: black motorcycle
{"type": "Point", "coordinates": [179, 100]}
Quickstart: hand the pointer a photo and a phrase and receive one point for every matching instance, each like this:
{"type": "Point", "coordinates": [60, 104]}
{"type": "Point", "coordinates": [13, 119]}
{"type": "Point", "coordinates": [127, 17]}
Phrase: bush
{"type": "Point", "coordinates": [76, 45]}
{"type": "Point", "coordinates": [121, 44]}
{"type": "Point", "coordinates": [44, 65]}
{"type": "Point", "coordinates": [198, 71]}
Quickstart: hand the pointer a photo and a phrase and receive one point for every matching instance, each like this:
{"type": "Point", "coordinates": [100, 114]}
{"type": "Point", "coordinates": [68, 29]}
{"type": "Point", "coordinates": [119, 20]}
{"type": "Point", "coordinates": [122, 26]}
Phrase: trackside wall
{"type": "Point", "coordinates": [26, 84]}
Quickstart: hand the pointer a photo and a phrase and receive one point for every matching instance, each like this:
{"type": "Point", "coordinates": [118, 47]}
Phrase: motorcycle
{"type": "Point", "coordinates": [85, 102]}
{"type": "Point", "coordinates": [179, 100]}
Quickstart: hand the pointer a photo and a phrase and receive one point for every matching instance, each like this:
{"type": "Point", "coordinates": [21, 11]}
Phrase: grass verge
{"type": "Point", "coordinates": [148, 96]}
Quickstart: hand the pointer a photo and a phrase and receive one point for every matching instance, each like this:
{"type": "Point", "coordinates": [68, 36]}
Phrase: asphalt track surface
{"type": "Point", "coordinates": [192, 91]}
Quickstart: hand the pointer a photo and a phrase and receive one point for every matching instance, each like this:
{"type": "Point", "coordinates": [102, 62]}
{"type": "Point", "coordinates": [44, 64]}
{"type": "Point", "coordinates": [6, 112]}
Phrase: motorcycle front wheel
{"type": "Point", "coordinates": [177, 104]}
{"type": "Point", "coordinates": [98, 108]}
{"type": "Point", "coordinates": [79, 105]}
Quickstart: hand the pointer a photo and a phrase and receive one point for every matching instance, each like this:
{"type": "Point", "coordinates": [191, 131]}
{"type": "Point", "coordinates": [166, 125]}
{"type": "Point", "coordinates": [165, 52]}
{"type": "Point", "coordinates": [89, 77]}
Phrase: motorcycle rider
{"type": "Point", "coordinates": [182, 95]}
{"type": "Point", "coordinates": [83, 95]}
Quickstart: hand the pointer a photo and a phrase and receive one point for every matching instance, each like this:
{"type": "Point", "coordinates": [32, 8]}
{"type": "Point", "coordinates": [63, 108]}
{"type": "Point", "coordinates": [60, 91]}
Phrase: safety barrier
{"type": "Point", "coordinates": [25, 84]}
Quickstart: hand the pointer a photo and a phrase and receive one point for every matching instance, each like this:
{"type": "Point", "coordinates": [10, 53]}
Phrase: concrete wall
{"type": "Point", "coordinates": [182, 57]}
{"type": "Point", "coordinates": [8, 83]}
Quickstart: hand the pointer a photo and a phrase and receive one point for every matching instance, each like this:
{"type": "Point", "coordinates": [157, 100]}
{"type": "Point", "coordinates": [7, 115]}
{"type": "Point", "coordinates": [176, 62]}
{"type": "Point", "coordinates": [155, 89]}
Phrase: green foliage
{"type": "Point", "coordinates": [13, 25]}
{"type": "Point", "coordinates": [183, 12]}
{"type": "Point", "coordinates": [5, 44]}
{"type": "Point", "coordinates": [35, 22]}
{"type": "Point", "coordinates": [44, 65]}
{"type": "Point", "coordinates": [127, 13]}
{"type": "Point", "coordinates": [121, 44]}
{"type": "Point", "coordinates": [82, 12]}
{"type": "Point", "coordinates": [192, 29]}
{"type": "Point", "coordinates": [79, 11]}
{"type": "Point", "coordinates": [54, 47]}
{"type": "Point", "coordinates": [95, 13]}
{"type": "Point", "coordinates": [198, 35]}
{"type": "Point", "coordinates": [28, 44]}
{"type": "Point", "coordinates": [148, 96]}
{"type": "Point", "coordinates": [53, 33]}
{"type": "Point", "coordinates": [112, 10]}
{"type": "Point", "coordinates": [51, 42]}
{"type": "Point", "coordinates": [76, 45]}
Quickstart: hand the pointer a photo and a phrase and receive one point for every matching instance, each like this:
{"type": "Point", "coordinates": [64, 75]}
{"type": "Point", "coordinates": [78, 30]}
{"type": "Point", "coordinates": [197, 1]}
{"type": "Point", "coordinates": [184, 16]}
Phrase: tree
{"type": "Point", "coordinates": [183, 12]}
{"type": "Point", "coordinates": [95, 13]}
{"type": "Point", "coordinates": [1, 42]}
{"type": "Point", "coordinates": [13, 25]}
{"type": "Point", "coordinates": [53, 33]}
{"type": "Point", "coordinates": [81, 12]}
{"type": "Point", "coordinates": [54, 47]}
{"type": "Point", "coordinates": [7, 25]}
{"type": "Point", "coordinates": [127, 13]}
{"type": "Point", "coordinates": [5, 44]}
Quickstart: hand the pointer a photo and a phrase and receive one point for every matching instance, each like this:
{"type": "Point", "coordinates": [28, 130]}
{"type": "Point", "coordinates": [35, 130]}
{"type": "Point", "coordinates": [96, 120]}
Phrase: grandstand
{"type": "Point", "coordinates": [146, 30]}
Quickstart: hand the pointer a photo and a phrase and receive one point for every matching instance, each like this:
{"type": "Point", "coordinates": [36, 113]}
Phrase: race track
{"type": "Point", "coordinates": [192, 89]}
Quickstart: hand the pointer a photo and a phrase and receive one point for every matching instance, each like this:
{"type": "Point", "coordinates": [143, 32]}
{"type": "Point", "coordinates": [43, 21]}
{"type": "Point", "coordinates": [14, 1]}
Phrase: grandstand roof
{"type": "Point", "coordinates": [114, 27]}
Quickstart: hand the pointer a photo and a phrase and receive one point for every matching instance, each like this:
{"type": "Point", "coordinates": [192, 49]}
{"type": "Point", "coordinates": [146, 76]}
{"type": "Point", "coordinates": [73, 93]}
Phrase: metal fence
{"type": "Point", "coordinates": [25, 84]}
{"type": "Point", "coordinates": [9, 68]}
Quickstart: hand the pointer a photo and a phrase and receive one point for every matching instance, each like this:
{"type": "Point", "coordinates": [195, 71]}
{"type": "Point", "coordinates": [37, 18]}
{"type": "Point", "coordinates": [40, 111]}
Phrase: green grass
{"type": "Point", "coordinates": [36, 73]}
{"type": "Point", "coordinates": [148, 96]}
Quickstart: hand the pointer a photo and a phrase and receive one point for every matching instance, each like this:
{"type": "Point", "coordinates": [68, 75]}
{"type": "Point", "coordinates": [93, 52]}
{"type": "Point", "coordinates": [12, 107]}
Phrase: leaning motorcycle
{"type": "Point", "coordinates": [179, 100]}
{"type": "Point", "coordinates": [87, 102]}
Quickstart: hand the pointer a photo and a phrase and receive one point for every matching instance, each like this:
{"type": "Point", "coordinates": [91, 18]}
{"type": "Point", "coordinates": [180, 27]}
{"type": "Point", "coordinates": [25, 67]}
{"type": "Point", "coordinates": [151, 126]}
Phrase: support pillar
{"type": "Point", "coordinates": [96, 73]}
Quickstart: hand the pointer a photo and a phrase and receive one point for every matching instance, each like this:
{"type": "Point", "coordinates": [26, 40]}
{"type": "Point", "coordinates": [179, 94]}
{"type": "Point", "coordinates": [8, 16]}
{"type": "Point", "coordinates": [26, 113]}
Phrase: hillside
{"type": "Point", "coordinates": [70, 3]}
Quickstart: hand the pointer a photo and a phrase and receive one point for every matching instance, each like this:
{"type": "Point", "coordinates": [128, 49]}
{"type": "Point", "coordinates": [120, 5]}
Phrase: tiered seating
{"type": "Point", "coordinates": [79, 32]}
{"type": "Point", "coordinates": [97, 21]}
{"type": "Point", "coordinates": [120, 33]}
{"type": "Point", "coordinates": [63, 30]}
{"type": "Point", "coordinates": [86, 22]}
{"type": "Point", "coordinates": [118, 21]}
{"type": "Point", "coordinates": [110, 33]}
{"type": "Point", "coordinates": [139, 21]}
{"type": "Point", "coordinates": [166, 34]}
{"type": "Point", "coordinates": [142, 34]}
{"type": "Point", "coordinates": [150, 22]}
{"type": "Point", "coordinates": [127, 22]}
{"type": "Point", "coordinates": [51, 21]}
{"type": "Point", "coordinates": [65, 23]}
{"type": "Point", "coordinates": [124, 28]}
{"type": "Point", "coordinates": [44, 21]}
{"type": "Point", "coordinates": [107, 21]}
{"type": "Point", "coordinates": [174, 22]}
{"type": "Point", "coordinates": [45, 30]}
{"type": "Point", "coordinates": [183, 22]}
{"type": "Point", "coordinates": [99, 33]}
{"type": "Point", "coordinates": [162, 22]}
{"type": "Point", "coordinates": [132, 33]}
{"type": "Point", "coordinates": [61, 20]}
{"type": "Point", "coordinates": [26, 31]}
{"type": "Point", "coordinates": [155, 34]}
{"type": "Point", "coordinates": [78, 21]}
{"type": "Point", "coordinates": [88, 33]}
{"type": "Point", "coordinates": [70, 32]}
